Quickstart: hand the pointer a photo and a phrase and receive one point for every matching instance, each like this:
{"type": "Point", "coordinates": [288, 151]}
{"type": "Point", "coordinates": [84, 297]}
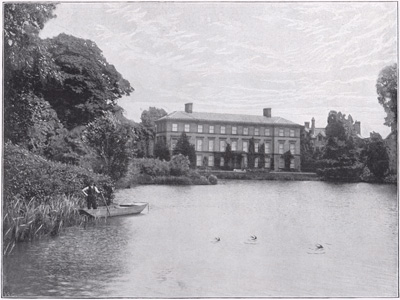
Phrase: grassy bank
{"type": "Point", "coordinates": [40, 197]}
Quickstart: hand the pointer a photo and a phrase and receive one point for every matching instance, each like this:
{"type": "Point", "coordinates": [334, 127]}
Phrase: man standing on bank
{"type": "Point", "coordinates": [90, 193]}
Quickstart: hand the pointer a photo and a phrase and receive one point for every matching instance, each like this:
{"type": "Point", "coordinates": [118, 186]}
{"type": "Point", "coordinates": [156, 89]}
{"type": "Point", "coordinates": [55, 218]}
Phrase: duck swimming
{"type": "Point", "coordinates": [217, 239]}
{"type": "Point", "coordinates": [253, 237]}
{"type": "Point", "coordinates": [319, 246]}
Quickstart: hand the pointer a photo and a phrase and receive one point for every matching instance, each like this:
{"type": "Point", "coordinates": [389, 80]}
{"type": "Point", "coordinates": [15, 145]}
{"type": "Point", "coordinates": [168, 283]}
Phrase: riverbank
{"type": "Point", "coordinates": [262, 175]}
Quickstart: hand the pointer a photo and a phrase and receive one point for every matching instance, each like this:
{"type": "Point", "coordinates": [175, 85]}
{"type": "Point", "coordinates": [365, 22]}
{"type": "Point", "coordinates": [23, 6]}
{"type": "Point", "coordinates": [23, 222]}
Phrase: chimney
{"type": "Point", "coordinates": [307, 125]}
{"type": "Point", "coordinates": [189, 108]}
{"type": "Point", "coordinates": [357, 127]}
{"type": "Point", "coordinates": [313, 126]}
{"type": "Point", "coordinates": [267, 112]}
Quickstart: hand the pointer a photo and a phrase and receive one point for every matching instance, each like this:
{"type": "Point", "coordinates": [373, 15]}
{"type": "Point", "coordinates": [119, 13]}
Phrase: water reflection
{"type": "Point", "coordinates": [200, 241]}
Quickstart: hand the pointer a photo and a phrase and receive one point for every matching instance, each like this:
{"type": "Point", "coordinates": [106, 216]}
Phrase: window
{"type": "Point", "coordinates": [173, 144]}
{"type": "Point", "coordinates": [292, 148]}
{"type": "Point", "coordinates": [210, 145]}
{"type": "Point", "coordinates": [292, 163]}
{"type": "Point", "coordinates": [187, 127]}
{"type": "Point", "coordinates": [281, 163]}
{"type": "Point", "coordinates": [291, 132]}
{"type": "Point", "coordinates": [211, 129]}
{"type": "Point", "coordinates": [198, 160]}
{"type": "Point", "coordinates": [267, 162]}
{"type": "Point", "coordinates": [280, 150]}
{"type": "Point", "coordinates": [245, 130]}
{"type": "Point", "coordinates": [256, 161]}
{"type": "Point", "coordinates": [256, 146]}
{"type": "Point", "coordinates": [234, 130]}
{"type": "Point", "coordinates": [245, 161]}
{"type": "Point", "coordinates": [267, 148]}
{"type": "Point", "coordinates": [199, 145]}
{"type": "Point", "coordinates": [281, 132]}
{"type": "Point", "coordinates": [174, 127]}
{"type": "Point", "coordinates": [234, 145]}
{"type": "Point", "coordinates": [222, 129]}
{"type": "Point", "coordinates": [222, 162]}
{"type": "Point", "coordinates": [211, 161]}
{"type": "Point", "coordinates": [256, 131]}
{"type": "Point", "coordinates": [267, 132]}
{"type": "Point", "coordinates": [222, 146]}
{"type": "Point", "coordinates": [245, 146]}
{"type": "Point", "coordinates": [199, 128]}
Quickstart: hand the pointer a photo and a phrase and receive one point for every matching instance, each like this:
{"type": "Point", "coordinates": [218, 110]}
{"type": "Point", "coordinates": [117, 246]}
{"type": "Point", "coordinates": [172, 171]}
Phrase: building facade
{"type": "Point", "coordinates": [210, 133]}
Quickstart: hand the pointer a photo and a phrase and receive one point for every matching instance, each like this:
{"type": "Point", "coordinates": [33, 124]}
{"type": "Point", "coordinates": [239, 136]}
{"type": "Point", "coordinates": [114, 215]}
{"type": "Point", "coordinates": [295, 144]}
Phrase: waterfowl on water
{"type": "Point", "coordinates": [319, 246]}
{"type": "Point", "coordinates": [253, 237]}
{"type": "Point", "coordinates": [217, 239]}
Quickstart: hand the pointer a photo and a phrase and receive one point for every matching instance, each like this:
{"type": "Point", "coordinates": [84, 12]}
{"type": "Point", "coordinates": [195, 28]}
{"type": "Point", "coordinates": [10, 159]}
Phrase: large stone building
{"type": "Point", "coordinates": [211, 132]}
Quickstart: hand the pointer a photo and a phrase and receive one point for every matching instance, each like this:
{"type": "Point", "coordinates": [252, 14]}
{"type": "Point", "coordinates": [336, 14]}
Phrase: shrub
{"type": "Point", "coordinates": [213, 179]}
{"type": "Point", "coordinates": [179, 165]}
{"type": "Point", "coordinates": [28, 176]}
{"type": "Point", "coordinates": [153, 167]}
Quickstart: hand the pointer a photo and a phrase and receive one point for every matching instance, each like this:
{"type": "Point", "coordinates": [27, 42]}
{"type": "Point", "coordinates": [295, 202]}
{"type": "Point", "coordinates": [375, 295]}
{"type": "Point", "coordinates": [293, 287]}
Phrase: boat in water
{"type": "Point", "coordinates": [114, 210]}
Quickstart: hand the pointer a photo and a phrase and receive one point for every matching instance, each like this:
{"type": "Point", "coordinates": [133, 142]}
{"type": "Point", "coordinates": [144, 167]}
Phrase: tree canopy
{"type": "Point", "coordinates": [386, 88]}
{"type": "Point", "coordinates": [184, 147]}
{"type": "Point", "coordinates": [377, 156]}
{"type": "Point", "coordinates": [85, 85]}
{"type": "Point", "coordinates": [25, 61]}
{"type": "Point", "coordinates": [149, 116]}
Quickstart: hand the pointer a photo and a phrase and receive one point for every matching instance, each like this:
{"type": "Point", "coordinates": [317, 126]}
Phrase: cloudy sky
{"type": "Point", "coordinates": [300, 59]}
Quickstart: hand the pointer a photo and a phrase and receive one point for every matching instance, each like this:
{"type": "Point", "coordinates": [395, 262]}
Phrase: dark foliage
{"type": "Point", "coordinates": [161, 150]}
{"type": "Point", "coordinates": [29, 176]}
{"type": "Point", "coordinates": [228, 157]}
{"type": "Point", "coordinates": [86, 85]}
{"type": "Point", "coordinates": [109, 141]}
{"type": "Point", "coordinates": [184, 147]}
{"type": "Point", "coordinates": [386, 88]}
{"type": "Point", "coordinates": [377, 156]}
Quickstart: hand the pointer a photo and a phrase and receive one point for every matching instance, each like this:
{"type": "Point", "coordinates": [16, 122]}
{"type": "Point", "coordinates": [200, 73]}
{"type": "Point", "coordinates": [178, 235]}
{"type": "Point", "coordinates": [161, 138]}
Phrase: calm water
{"type": "Point", "coordinates": [171, 251]}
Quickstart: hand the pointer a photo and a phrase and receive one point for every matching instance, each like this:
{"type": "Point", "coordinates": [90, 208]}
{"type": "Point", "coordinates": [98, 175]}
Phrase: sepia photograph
{"type": "Point", "coordinates": [200, 149]}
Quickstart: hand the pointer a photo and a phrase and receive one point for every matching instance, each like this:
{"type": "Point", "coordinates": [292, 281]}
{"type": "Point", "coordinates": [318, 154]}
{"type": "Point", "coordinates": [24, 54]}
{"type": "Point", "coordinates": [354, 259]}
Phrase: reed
{"type": "Point", "coordinates": [25, 221]}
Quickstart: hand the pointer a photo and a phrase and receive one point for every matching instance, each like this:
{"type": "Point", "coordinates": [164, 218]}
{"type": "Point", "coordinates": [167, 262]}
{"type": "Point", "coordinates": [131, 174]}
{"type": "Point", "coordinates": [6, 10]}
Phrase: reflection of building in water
{"type": "Point", "coordinates": [212, 132]}
{"type": "Point", "coordinates": [318, 135]}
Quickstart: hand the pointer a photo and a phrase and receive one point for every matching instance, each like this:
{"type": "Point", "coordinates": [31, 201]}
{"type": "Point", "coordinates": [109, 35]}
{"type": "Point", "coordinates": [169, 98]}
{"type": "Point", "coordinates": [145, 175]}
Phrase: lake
{"type": "Point", "coordinates": [314, 239]}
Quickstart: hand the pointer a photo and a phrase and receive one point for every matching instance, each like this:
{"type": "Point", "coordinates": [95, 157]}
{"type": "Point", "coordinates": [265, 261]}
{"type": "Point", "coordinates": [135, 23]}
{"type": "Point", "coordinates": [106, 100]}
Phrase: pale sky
{"type": "Point", "coordinates": [300, 59]}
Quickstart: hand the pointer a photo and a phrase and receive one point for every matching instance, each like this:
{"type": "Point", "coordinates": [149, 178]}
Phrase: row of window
{"type": "Point", "coordinates": [211, 129]}
{"type": "Point", "coordinates": [234, 146]}
{"type": "Point", "coordinates": [245, 146]}
{"type": "Point", "coordinates": [209, 161]}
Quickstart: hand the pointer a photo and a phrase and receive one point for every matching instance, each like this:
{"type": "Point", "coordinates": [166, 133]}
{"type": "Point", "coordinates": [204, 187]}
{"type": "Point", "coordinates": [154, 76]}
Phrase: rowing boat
{"type": "Point", "coordinates": [115, 210]}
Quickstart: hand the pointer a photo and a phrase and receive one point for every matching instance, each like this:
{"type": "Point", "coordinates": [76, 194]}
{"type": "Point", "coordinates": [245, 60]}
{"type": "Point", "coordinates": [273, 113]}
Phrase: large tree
{"type": "Point", "coordinates": [149, 116]}
{"type": "Point", "coordinates": [25, 65]}
{"type": "Point", "coordinates": [109, 140]}
{"type": "Point", "coordinates": [85, 85]}
{"type": "Point", "coordinates": [161, 150]}
{"type": "Point", "coordinates": [341, 156]}
{"type": "Point", "coordinates": [386, 87]}
{"type": "Point", "coordinates": [184, 147]}
{"type": "Point", "coordinates": [377, 156]}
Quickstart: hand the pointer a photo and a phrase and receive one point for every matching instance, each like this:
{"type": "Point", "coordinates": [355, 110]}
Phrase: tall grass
{"type": "Point", "coordinates": [24, 221]}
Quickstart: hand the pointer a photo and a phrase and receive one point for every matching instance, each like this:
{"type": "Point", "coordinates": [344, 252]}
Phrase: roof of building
{"type": "Point", "coordinates": [317, 131]}
{"type": "Point", "coordinates": [234, 118]}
